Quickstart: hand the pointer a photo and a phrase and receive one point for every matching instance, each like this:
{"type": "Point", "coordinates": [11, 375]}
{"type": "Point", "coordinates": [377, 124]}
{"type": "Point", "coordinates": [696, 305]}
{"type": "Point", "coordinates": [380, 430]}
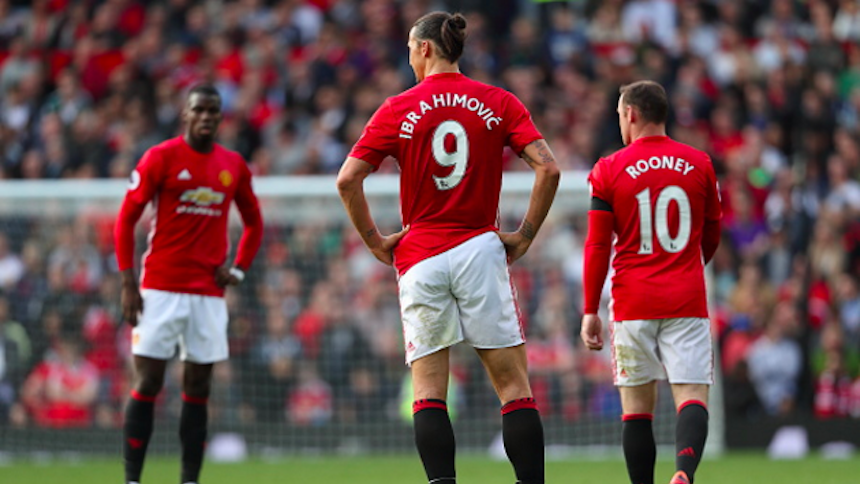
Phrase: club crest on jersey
{"type": "Point", "coordinates": [202, 196]}
{"type": "Point", "coordinates": [225, 178]}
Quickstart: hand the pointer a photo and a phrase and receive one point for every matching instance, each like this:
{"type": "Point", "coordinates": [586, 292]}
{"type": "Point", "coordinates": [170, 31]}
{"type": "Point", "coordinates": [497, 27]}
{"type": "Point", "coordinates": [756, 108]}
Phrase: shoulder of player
{"type": "Point", "coordinates": [695, 156]}
{"type": "Point", "coordinates": [503, 94]}
{"type": "Point", "coordinates": [222, 150]}
{"type": "Point", "coordinates": [687, 147]}
{"type": "Point", "coordinates": [230, 156]}
{"type": "Point", "coordinates": [617, 157]}
{"type": "Point", "coordinates": [483, 86]}
{"type": "Point", "coordinates": [166, 147]}
{"type": "Point", "coordinates": [397, 103]}
{"type": "Point", "coordinates": [692, 155]}
{"type": "Point", "coordinates": [156, 153]}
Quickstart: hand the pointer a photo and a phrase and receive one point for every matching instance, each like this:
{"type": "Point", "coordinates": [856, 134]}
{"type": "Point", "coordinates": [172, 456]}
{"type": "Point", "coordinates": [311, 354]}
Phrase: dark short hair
{"type": "Point", "coordinates": [649, 98]}
{"type": "Point", "coordinates": [447, 31]}
{"type": "Point", "coordinates": [204, 90]}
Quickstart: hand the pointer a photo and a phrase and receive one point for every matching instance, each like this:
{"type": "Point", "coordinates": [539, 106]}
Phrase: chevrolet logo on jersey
{"type": "Point", "coordinates": [202, 196]}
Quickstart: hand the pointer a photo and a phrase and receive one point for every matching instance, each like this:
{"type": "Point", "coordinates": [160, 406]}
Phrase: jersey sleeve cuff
{"type": "Point", "coordinates": [368, 155]}
{"type": "Point", "coordinates": [528, 140]}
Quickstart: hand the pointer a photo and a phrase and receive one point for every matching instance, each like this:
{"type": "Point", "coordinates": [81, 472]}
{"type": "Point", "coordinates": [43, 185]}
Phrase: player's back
{"type": "Point", "coordinates": [661, 193]}
{"type": "Point", "coordinates": [453, 137]}
{"type": "Point", "coordinates": [452, 132]}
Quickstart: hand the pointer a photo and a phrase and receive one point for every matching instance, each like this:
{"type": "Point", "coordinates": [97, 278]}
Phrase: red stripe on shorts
{"type": "Point", "coordinates": [612, 352]}
{"type": "Point", "coordinates": [516, 304]}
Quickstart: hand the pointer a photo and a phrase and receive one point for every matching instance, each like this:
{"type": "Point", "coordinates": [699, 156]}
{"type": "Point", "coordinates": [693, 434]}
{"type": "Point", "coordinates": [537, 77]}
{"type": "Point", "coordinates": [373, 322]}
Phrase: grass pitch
{"type": "Point", "coordinates": [735, 468]}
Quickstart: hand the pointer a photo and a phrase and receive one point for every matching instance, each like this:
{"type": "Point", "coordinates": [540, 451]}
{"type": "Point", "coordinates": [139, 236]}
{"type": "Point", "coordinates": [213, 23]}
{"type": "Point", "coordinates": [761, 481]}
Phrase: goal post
{"type": "Point", "coordinates": [316, 348]}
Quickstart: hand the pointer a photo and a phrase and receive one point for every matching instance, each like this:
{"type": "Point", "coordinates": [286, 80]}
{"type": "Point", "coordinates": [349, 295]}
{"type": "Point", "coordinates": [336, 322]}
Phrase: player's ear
{"type": "Point", "coordinates": [632, 115]}
{"type": "Point", "coordinates": [426, 48]}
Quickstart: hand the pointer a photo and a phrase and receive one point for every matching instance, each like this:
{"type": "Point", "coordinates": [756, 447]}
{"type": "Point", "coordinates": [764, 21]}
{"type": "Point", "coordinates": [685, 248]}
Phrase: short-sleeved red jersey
{"type": "Point", "coordinates": [192, 193]}
{"type": "Point", "coordinates": [448, 134]}
{"type": "Point", "coordinates": [661, 192]}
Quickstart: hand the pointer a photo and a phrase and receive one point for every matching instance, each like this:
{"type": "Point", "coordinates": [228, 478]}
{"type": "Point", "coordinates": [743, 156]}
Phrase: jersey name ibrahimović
{"type": "Point", "coordinates": [446, 100]}
{"type": "Point", "coordinates": [661, 193]}
{"type": "Point", "coordinates": [448, 135]}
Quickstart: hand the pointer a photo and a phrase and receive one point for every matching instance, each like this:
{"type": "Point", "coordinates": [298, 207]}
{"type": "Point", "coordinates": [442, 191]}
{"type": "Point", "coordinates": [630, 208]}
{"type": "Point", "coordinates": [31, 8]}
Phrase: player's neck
{"type": "Point", "coordinates": [199, 145]}
{"type": "Point", "coordinates": [650, 130]}
{"type": "Point", "coordinates": [441, 68]}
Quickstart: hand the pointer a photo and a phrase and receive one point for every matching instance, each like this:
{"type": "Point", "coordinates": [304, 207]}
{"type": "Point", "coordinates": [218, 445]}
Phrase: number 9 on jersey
{"type": "Point", "coordinates": [457, 158]}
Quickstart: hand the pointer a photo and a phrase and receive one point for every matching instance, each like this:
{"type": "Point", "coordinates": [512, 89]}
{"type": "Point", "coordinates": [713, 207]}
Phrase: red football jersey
{"type": "Point", "coordinates": [661, 192]}
{"type": "Point", "coordinates": [448, 134]}
{"type": "Point", "coordinates": [60, 410]}
{"type": "Point", "coordinates": [192, 193]}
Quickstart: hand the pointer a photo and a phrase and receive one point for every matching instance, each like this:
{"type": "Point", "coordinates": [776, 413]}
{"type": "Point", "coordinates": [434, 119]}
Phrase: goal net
{"type": "Point", "coordinates": [315, 338]}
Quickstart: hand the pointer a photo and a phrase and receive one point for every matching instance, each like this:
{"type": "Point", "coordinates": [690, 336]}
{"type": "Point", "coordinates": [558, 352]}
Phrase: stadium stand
{"type": "Point", "coordinates": [771, 90]}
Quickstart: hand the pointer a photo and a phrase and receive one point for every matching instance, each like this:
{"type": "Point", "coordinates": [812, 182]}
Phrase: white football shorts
{"type": "Point", "coordinates": [464, 294]}
{"type": "Point", "coordinates": [654, 349]}
{"type": "Point", "coordinates": [198, 324]}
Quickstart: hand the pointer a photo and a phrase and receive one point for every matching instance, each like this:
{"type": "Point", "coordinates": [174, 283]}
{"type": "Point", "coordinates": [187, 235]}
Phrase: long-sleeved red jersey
{"type": "Point", "coordinates": [188, 240]}
{"type": "Point", "coordinates": [662, 203]}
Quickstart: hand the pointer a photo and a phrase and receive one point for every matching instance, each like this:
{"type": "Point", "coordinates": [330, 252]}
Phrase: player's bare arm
{"type": "Point", "coordinates": [540, 158]}
{"type": "Point", "coordinates": [540, 154]}
{"type": "Point", "coordinates": [132, 303]}
{"type": "Point", "coordinates": [129, 214]}
{"type": "Point", "coordinates": [350, 186]}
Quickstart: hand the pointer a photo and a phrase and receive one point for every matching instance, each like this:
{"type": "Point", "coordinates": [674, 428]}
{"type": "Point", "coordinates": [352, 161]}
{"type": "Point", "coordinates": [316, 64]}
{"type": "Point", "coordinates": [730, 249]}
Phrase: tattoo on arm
{"type": "Point", "coordinates": [370, 232]}
{"type": "Point", "coordinates": [545, 154]}
{"type": "Point", "coordinates": [527, 159]}
{"type": "Point", "coordinates": [528, 230]}
{"type": "Point", "coordinates": [543, 151]}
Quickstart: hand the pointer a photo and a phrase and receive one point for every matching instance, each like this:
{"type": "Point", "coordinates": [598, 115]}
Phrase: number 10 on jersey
{"type": "Point", "coordinates": [661, 220]}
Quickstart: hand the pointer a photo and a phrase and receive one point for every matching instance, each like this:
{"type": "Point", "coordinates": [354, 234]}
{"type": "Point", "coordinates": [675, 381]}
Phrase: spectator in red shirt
{"type": "Point", "coordinates": [62, 389]}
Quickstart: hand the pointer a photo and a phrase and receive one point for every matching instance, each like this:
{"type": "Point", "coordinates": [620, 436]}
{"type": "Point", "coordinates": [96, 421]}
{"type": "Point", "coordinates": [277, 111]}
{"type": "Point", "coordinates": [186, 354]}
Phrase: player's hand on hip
{"type": "Point", "coordinates": [132, 303]}
{"type": "Point", "coordinates": [516, 244]}
{"type": "Point", "coordinates": [385, 250]}
{"type": "Point", "coordinates": [592, 332]}
{"type": "Point", "coordinates": [225, 277]}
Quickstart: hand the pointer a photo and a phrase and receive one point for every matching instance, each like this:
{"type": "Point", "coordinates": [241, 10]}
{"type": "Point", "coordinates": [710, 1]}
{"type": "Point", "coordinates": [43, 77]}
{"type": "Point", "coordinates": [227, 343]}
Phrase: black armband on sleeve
{"type": "Point", "coordinates": [598, 204]}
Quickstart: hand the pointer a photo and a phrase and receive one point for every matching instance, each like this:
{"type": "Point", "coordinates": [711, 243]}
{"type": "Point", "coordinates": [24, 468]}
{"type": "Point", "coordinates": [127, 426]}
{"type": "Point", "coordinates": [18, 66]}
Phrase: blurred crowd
{"type": "Point", "coordinates": [770, 89]}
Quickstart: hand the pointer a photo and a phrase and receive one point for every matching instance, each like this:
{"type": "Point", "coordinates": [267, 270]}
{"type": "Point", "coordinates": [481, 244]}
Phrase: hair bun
{"type": "Point", "coordinates": [458, 21]}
